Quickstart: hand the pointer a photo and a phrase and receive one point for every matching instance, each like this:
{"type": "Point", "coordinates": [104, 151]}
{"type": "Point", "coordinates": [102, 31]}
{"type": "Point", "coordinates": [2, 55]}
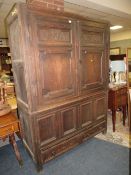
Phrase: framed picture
{"type": "Point", "coordinates": [115, 51]}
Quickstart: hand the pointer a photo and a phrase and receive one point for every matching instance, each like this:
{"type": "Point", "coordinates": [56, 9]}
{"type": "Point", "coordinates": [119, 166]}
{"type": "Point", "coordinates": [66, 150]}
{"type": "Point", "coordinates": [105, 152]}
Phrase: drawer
{"type": "Point", "coordinates": [72, 142]}
{"type": "Point", "coordinates": [59, 149]}
{"type": "Point", "coordinates": [9, 129]}
{"type": "Point", "coordinates": [121, 91]}
{"type": "Point", "coordinates": [124, 91]}
{"type": "Point", "coordinates": [118, 100]}
{"type": "Point", "coordinates": [121, 100]}
{"type": "Point", "coordinates": [97, 128]}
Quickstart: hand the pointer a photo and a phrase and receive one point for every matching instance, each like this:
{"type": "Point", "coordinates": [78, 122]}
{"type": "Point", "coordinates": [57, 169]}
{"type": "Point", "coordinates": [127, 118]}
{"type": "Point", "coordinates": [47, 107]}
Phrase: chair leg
{"type": "Point", "coordinates": [124, 115]}
{"type": "Point", "coordinates": [113, 119]}
{"type": "Point", "coordinates": [15, 147]}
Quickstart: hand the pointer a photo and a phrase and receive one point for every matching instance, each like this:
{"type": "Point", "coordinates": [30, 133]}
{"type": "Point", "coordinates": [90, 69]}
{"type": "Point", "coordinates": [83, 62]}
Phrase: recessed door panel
{"type": "Point", "coordinates": [48, 129]}
{"type": "Point", "coordinates": [57, 74]}
{"type": "Point", "coordinates": [92, 69]}
{"type": "Point", "coordinates": [86, 113]}
{"type": "Point", "coordinates": [68, 120]}
{"type": "Point", "coordinates": [100, 106]}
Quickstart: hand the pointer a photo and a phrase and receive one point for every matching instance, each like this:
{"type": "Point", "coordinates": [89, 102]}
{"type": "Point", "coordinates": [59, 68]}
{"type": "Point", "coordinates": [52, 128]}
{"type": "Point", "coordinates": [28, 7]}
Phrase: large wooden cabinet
{"type": "Point", "coordinates": [60, 64]}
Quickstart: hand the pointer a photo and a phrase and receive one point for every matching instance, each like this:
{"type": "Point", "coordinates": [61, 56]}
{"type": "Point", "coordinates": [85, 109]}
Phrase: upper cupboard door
{"type": "Point", "coordinates": [55, 54]}
{"type": "Point", "coordinates": [92, 58]}
{"type": "Point", "coordinates": [91, 70]}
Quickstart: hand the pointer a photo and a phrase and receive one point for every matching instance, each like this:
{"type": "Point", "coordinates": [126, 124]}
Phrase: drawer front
{"type": "Point", "coordinates": [124, 100]}
{"type": "Point", "coordinates": [121, 91]}
{"type": "Point", "coordinates": [124, 91]}
{"type": "Point", "coordinates": [59, 149]}
{"type": "Point", "coordinates": [9, 129]}
{"type": "Point", "coordinates": [98, 128]}
{"type": "Point", "coordinates": [121, 98]}
{"type": "Point", "coordinates": [70, 143]}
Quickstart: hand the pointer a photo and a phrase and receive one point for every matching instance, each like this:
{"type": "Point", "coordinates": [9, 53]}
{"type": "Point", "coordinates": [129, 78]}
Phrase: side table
{"type": "Point", "coordinates": [117, 98]}
{"type": "Point", "coordinates": [9, 125]}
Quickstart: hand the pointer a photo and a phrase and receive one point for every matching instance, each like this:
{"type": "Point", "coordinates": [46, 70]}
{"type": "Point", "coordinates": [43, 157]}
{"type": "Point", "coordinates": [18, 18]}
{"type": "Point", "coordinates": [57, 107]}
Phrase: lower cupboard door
{"type": "Point", "coordinates": [100, 108]}
{"type": "Point", "coordinates": [86, 113]}
{"type": "Point", "coordinates": [47, 129]}
{"type": "Point", "coordinates": [68, 120]}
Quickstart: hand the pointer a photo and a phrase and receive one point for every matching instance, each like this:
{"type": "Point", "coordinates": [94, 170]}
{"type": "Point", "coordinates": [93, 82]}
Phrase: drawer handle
{"type": "Point", "coordinates": [53, 153]}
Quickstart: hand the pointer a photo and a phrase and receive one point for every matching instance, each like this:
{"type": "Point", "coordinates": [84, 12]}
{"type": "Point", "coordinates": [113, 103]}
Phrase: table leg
{"type": "Point", "coordinates": [124, 114]}
{"type": "Point", "coordinates": [14, 144]}
{"type": "Point", "coordinates": [113, 119]}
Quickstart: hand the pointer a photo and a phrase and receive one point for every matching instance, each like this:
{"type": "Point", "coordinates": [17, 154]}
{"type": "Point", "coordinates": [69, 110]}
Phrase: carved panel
{"type": "Point", "coordinates": [86, 113]}
{"type": "Point", "coordinates": [91, 35]}
{"type": "Point", "coordinates": [54, 31]}
{"type": "Point", "coordinates": [48, 130]}
{"type": "Point", "coordinates": [68, 120]}
{"type": "Point", "coordinates": [100, 106]}
{"type": "Point", "coordinates": [54, 35]}
{"type": "Point", "coordinates": [92, 68]}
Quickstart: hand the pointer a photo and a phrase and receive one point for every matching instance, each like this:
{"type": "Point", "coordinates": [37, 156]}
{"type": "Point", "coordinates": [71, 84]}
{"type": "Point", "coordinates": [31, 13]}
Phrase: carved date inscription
{"type": "Point", "coordinates": [54, 35]}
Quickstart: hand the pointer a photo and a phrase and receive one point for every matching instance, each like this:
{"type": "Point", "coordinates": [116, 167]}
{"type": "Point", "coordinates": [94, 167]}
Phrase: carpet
{"type": "Point", "coordinates": [93, 157]}
{"type": "Point", "coordinates": [121, 136]}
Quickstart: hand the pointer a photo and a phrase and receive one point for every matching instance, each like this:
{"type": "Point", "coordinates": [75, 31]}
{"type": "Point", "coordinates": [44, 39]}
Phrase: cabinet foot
{"type": "Point", "coordinates": [104, 132]}
{"type": "Point", "coordinates": [39, 167]}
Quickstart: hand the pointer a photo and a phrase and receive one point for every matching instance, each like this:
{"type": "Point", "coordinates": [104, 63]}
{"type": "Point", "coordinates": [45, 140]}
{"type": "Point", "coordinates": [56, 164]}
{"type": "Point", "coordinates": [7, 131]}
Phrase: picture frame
{"type": "Point", "coordinates": [115, 51]}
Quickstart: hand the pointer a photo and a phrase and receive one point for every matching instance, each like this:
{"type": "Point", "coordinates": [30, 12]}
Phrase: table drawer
{"type": "Point", "coordinates": [121, 91]}
{"type": "Point", "coordinates": [9, 129]}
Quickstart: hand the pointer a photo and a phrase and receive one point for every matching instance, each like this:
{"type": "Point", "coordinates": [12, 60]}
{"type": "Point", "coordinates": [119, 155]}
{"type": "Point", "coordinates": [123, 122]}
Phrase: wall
{"type": "Point", "coordinates": [124, 6]}
{"type": "Point", "coordinates": [123, 44]}
{"type": "Point", "coordinates": [123, 35]}
{"type": "Point", "coordinates": [121, 39]}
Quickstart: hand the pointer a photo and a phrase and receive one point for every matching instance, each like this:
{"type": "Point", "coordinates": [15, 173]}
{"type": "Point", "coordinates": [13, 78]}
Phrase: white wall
{"type": "Point", "coordinates": [121, 5]}
{"type": "Point", "coordinates": [120, 35]}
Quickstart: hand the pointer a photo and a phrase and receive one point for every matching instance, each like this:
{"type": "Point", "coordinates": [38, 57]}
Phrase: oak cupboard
{"type": "Point", "coordinates": [60, 65]}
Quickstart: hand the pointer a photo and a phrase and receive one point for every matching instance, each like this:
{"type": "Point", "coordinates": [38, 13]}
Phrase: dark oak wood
{"type": "Point", "coordinates": [117, 98]}
{"type": "Point", "coordinates": [60, 66]}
